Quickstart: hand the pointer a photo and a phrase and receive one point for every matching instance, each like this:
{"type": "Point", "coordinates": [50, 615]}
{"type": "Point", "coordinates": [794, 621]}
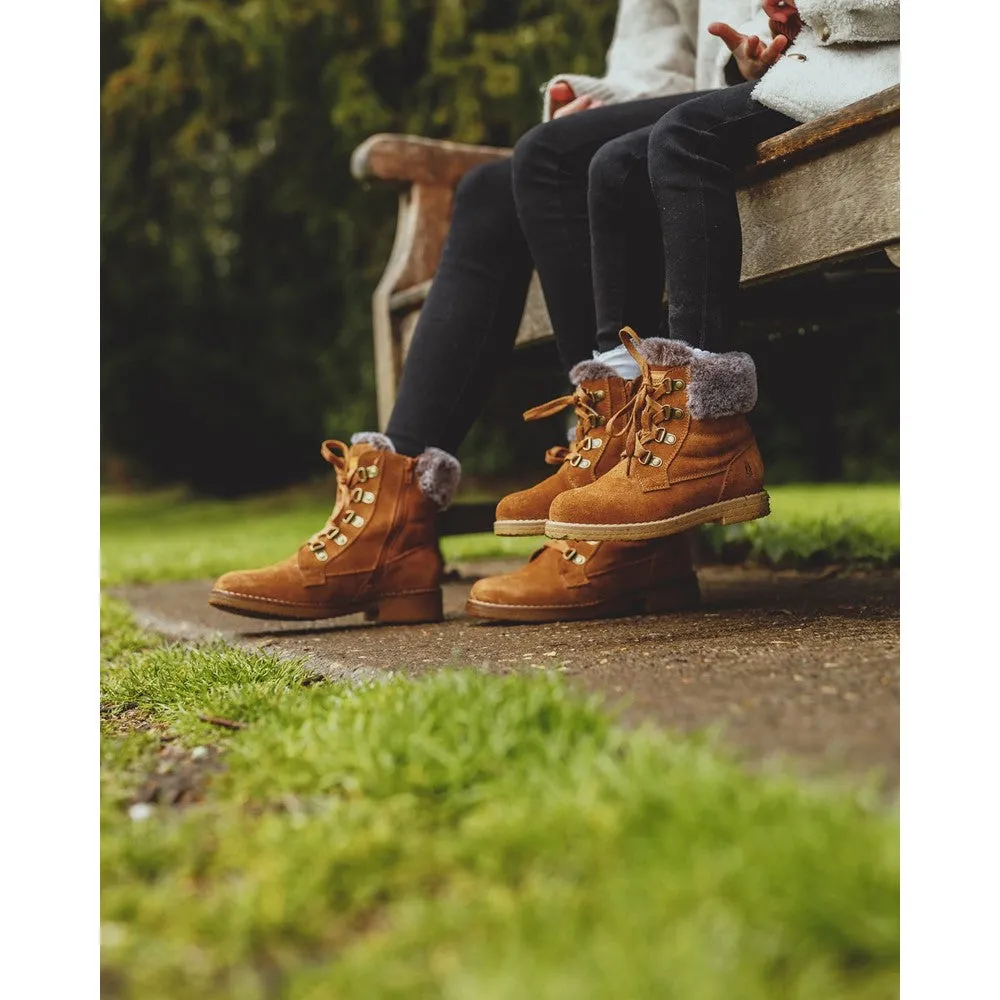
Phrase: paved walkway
{"type": "Point", "coordinates": [803, 664]}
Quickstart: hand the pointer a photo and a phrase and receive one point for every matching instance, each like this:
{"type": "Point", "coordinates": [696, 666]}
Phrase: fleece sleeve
{"type": "Point", "coordinates": [652, 54]}
{"type": "Point", "coordinates": [837, 22]}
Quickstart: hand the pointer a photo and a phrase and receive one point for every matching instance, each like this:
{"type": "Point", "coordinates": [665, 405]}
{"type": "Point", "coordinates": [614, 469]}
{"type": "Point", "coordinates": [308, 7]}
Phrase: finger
{"type": "Point", "coordinates": [580, 103]}
{"type": "Point", "coordinates": [773, 52]}
{"type": "Point", "coordinates": [731, 38]}
{"type": "Point", "coordinates": [561, 91]}
{"type": "Point", "coordinates": [753, 47]}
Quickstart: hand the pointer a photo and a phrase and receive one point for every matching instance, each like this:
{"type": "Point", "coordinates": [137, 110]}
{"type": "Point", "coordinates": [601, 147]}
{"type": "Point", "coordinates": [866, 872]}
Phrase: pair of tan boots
{"type": "Point", "coordinates": [650, 458]}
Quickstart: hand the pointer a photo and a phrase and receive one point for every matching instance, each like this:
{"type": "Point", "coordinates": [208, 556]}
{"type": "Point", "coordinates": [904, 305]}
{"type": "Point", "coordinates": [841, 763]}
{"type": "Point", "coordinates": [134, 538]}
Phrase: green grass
{"type": "Point", "coordinates": [466, 836]}
{"type": "Point", "coordinates": [163, 536]}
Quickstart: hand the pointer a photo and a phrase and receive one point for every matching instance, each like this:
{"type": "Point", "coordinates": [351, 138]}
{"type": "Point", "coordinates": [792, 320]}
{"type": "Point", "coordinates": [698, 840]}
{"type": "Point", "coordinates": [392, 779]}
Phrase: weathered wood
{"type": "Point", "coordinates": [421, 226]}
{"type": "Point", "coordinates": [417, 160]}
{"type": "Point", "coordinates": [881, 110]}
{"type": "Point", "coordinates": [843, 204]}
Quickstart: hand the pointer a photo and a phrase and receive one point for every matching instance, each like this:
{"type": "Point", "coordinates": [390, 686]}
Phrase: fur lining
{"type": "Point", "coordinates": [586, 371]}
{"type": "Point", "coordinates": [665, 353]}
{"type": "Point", "coordinates": [438, 474]}
{"type": "Point", "coordinates": [380, 442]}
{"type": "Point", "coordinates": [722, 385]}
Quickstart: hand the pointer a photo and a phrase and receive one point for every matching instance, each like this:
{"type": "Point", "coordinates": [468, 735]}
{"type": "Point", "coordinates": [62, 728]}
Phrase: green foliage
{"type": "Point", "coordinates": [469, 835]}
{"type": "Point", "coordinates": [238, 254]}
{"type": "Point", "coordinates": [166, 536]}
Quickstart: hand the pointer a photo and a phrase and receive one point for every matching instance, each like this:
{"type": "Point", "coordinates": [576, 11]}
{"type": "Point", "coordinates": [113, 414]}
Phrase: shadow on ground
{"type": "Point", "coordinates": [784, 663]}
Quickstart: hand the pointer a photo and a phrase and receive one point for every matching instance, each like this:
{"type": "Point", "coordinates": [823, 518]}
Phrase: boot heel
{"type": "Point", "coordinates": [746, 509]}
{"type": "Point", "coordinates": [678, 595]}
{"type": "Point", "coordinates": [408, 609]}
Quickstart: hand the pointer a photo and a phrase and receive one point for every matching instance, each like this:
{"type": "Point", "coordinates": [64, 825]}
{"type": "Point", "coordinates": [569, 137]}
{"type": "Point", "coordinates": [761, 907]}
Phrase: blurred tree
{"type": "Point", "coordinates": [238, 255]}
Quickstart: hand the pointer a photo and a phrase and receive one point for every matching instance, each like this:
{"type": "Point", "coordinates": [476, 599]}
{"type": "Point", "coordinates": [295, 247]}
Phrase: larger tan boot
{"type": "Point", "coordinates": [689, 454]}
{"type": "Point", "coordinates": [568, 581]}
{"type": "Point", "coordinates": [377, 553]}
{"type": "Point", "coordinates": [599, 393]}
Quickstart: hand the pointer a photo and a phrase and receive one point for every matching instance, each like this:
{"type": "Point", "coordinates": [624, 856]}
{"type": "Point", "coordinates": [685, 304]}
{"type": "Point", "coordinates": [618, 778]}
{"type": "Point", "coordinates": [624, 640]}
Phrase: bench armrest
{"type": "Point", "coordinates": [416, 160]}
{"type": "Point", "coordinates": [881, 110]}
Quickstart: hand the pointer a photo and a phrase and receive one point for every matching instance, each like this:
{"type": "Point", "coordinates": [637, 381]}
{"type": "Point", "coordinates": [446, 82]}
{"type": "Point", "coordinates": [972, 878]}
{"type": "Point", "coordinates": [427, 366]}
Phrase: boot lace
{"type": "Point", "coordinates": [351, 476]}
{"type": "Point", "coordinates": [588, 419]}
{"type": "Point", "coordinates": [642, 418]}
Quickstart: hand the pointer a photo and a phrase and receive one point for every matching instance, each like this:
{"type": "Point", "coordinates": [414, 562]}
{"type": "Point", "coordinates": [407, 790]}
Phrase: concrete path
{"type": "Point", "coordinates": [784, 663]}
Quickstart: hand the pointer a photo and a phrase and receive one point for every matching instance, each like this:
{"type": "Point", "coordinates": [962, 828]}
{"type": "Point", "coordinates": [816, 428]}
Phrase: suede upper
{"type": "Point", "coordinates": [380, 541]}
{"type": "Point", "coordinates": [592, 451]}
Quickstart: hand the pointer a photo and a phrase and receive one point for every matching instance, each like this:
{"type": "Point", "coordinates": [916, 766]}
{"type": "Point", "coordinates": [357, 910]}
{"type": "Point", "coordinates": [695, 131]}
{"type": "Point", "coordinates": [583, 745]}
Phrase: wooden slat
{"type": "Point", "coordinates": [418, 160]}
{"type": "Point", "coordinates": [839, 205]}
{"type": "Point", "coordinates": [879, 110]}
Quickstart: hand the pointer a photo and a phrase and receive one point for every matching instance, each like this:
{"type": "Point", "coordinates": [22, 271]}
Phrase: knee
{"type": "Point", "coordinates": [485, 185]}
{"type": "Point", "coordinates": [609, 167]}
{"type": "Point", "coordinates": [670, 134]}
{"type": "Point", "coordinates": [532, 158]}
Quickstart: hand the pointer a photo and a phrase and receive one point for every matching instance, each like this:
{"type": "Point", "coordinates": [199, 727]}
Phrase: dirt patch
{"type": "Point", "coordinates": [782, 663]}
{"type": "Point", "coordinates": [180, 775]}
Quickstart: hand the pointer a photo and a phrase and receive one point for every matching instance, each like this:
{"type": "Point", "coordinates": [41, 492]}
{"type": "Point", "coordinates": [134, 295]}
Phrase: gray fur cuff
{"type": "Point", "coordinates": [719, 385]}
{"type": "Point", "coordinates": [438, 475]}
{"type": "Point", "coordinates": [587, 371]}
{"type": "Point", "coordinates": [380, 442]}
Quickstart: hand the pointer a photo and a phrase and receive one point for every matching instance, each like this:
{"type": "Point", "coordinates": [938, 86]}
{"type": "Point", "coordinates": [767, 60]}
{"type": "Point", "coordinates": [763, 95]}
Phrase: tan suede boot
{"type": "Point", "coordinates": [599, 393]}
{"type": "Point", "coordinates": [689, 455]}
{"type": "Point", "coordinates": [569, 581]}
{"type": "Point", "coordinates": [378, 551]}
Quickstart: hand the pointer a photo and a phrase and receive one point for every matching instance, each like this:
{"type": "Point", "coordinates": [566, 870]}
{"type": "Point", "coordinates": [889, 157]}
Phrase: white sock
{"type": "Point", "coordinates": [620, 360]}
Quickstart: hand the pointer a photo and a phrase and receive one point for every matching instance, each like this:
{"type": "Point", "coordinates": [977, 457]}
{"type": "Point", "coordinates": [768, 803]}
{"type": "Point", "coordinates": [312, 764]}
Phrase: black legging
{"type": "Point", "coordinates": [509, 217]}
{"type": "Point", "coordinates": [678, 178]}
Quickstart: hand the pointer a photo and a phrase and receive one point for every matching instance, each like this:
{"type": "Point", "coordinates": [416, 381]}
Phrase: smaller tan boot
{"type": "Point", "coordinates": [689, 455]}
{"type": "Point", "coordinates": [378, 552]}
{"type": "Point", "coordinates": [599, 393]}
{"type": "Point", "coordinates": [571, 581]}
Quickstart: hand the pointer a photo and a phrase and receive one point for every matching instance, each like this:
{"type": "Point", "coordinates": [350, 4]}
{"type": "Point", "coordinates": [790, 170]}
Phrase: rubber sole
{"type": "Point", "coordinates": [508, 528]}
{"type": "Point", "coordinates": [678, 595]}
{"type": "Point", "coordinates": [391, 609]}
{"type": "Point", "coordinates": [735, 511]}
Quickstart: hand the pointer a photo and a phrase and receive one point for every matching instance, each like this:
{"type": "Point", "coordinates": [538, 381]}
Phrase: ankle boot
{"type": "Point", "coordinates": [378, 551]}
{"type": "Point", "coordinates": [688, 456]}
{"type": "Point", "coordinates": [598, 394]}
{"type": "Point", "coordinates": [571, 581]}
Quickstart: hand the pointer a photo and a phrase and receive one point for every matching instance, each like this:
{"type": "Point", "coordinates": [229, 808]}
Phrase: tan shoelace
{"type": "Point", "coordinates": [587, 418]}
{"type": "Point", "coordinates": [351, 474]}
{"type": "Point", "coordinates": [641, 419]}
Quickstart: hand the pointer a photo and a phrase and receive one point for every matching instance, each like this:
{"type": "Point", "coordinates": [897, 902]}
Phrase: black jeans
{"type": "Point", "coordinates": [679, 177]}
{"type": "Point", "coordinates": [509, 217]}
{"type": "Point", "coordinates": [695, 152]}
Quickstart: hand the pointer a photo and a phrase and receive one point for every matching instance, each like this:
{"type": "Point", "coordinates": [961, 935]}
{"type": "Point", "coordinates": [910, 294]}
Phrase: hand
{"type": "Point", "coordinates": [783, 18]}
{"type": "Point", "coordinates": [564, 102]}
{"type": "Point", "coordinates": [752, 57]}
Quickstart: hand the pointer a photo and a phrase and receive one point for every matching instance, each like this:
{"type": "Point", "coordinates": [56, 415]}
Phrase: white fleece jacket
{"type": "Point", "coordinates": [848, 49]}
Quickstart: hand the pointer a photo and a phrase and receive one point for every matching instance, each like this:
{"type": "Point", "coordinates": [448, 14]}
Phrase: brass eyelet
{"type": "Point", "coordinates": [341, 539]}
{"type": "Point", "coordinates": [372, 471]}
{"type": "Point", "coordinates": [676, 413]}
{"type": "Point", "coordinates": [677, 384]}
{"type": "Point", "coordinates": [320, 555]}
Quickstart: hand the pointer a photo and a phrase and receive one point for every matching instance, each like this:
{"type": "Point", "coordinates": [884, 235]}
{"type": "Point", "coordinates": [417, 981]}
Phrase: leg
{"type": "Point", "coordinates": [694, 153]}
{"type": "Point", "coordinates": [469, 322]}
{"type": "Point", "coordinates": [626, 248]}
{"type": "Point", "coordinates": [551, 167]}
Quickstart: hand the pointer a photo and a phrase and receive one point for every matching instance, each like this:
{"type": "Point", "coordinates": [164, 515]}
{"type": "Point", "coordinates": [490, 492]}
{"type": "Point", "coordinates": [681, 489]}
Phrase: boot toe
{"type": "Point", "coordinates": [495, 590]}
